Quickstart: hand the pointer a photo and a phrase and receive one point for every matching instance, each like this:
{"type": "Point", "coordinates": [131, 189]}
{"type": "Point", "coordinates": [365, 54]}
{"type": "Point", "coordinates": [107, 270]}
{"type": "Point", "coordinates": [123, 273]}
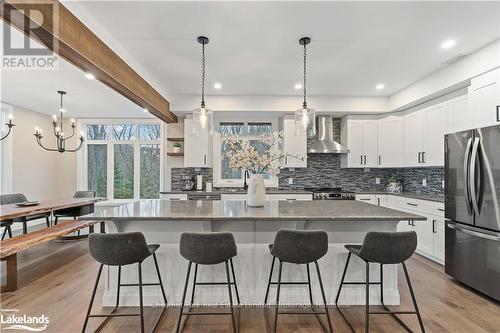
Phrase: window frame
{"type": "Point", "coordinates": [82, 162]}
{"type": "Point", "coordinates": [217, 153]}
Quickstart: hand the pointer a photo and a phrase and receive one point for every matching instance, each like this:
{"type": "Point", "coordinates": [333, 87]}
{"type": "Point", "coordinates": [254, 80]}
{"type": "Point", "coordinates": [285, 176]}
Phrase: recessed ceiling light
{"type": "Point", "coordinates": [448, 44]}
{"type": "Point", "coordinates": [380, 86]}
{"type": "Point", "coordinates": [217, 85]}
{"type": "Point", "coordinates": [298, 86]}
{"type": "Point", "coordinates": [90, 76]}
{"type": "Point", "coordinates": [145, 110]}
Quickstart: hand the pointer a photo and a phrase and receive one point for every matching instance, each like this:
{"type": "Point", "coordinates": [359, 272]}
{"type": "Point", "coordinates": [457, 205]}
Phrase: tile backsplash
{"type": "Point", "coordinates": [323, 170]}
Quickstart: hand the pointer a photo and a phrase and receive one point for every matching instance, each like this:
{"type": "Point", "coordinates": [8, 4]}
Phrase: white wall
{"type": "Point", "coordinates": [37, 173]}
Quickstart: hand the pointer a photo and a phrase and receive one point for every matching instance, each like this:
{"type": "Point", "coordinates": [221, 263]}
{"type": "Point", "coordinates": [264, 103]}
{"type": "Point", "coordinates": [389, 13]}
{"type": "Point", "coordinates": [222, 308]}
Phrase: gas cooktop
{"type": "Point", "coordinates": [331, 193]}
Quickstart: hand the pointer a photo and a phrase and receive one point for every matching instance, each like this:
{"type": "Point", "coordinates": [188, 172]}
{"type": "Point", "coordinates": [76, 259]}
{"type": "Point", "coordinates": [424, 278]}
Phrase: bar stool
{"type": "Point", "coordinates": [208, 249]}
{"type": "Point", "coordinates": [384, 248]}
{"type": "Point", "coordinates": [122, 249]}
{"type": "Point", "coordinates": [298, 247]}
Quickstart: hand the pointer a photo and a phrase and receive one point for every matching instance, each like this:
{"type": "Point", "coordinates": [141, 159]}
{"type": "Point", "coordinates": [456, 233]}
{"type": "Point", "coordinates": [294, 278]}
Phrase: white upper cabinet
{"type": "Point", "coordinates": [484, 95]}
{"type": "Point", "coordinates": [435, 126]}
{"type": "Point", "coordinates": [360, 136]}
{"type": "Point", "coordinates": [197, 148]}
{"type": "Point", "coordinates": [412, 139]}
{"type": "Point", "coordinates": [294, 144]}
{"type": "Point", "coordinates": [460, 117]}
{"type": "Point", "coordinates": [390, 141]}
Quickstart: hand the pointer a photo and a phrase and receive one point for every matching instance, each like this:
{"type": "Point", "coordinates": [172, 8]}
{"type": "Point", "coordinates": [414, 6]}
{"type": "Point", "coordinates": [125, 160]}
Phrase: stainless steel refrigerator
{"type": "Point", "coordinates": [472, 208]}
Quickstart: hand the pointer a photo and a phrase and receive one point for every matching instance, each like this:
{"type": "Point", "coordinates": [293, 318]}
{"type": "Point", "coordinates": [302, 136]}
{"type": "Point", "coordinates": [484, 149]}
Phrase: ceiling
{"type": "Point", "coordinates": [254, 49]}
{"type": "Point", "coordinates": [37, 90]}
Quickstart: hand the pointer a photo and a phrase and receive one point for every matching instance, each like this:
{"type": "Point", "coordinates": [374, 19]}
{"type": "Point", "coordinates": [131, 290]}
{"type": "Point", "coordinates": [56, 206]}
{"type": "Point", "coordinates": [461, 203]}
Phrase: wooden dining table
{"type": "Point", "coordinates": [11, 211]}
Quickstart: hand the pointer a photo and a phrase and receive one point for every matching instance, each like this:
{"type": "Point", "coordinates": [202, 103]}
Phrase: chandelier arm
{"type": "Point", "coordinates": [6, 134]}
{"type": "Point", "coordinates": [39, 141]}
{"type": "Point", "coordinates": [72, 134]}
{"type": "Point", "coordinates": [77, 148]}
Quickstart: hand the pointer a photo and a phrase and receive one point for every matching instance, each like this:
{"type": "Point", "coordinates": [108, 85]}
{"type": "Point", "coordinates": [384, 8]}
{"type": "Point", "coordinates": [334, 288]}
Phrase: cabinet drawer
{"type": "Point", "coordinates": [368, 198]}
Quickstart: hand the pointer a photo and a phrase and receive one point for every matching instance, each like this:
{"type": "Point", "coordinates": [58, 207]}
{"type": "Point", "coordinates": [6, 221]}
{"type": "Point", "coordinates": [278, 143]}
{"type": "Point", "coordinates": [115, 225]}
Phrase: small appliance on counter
{"type": "Point", "coordinates": [199, 182]}
{"type": "Point", "coordinates": [188, 183]}
{"type": "Point", "coordinates": [208, 187]}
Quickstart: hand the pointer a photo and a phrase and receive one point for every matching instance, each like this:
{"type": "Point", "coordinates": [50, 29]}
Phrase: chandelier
{"type": "Point", "coordinates": [9, 125]}
{"type": "Point", "coordinates": [203, 118]}
{"type": "Point", "coordinates": [58, 132]}
{"type": "Point", "coordinates": [305, 117]}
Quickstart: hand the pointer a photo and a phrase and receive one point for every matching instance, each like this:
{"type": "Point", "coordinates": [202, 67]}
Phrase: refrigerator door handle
{"type": "Point", "coordinates": [473, 233]}
{"type": "Point", "coordinates": [472, 176]}
{"type": "Point", "coordinates": [466, 176]}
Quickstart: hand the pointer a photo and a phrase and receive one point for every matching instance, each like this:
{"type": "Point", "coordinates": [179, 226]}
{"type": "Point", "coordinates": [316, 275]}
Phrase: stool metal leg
{"type": "Point", "coordinates": [194, 284]}
{"type": "Point", "coordinates": [234, 280]}
{"type": "Point", "coordinates": [342, 280]}
{"type": "Point", "coordinates": [277, 297]}
{"type": "Point", "coordinates": [367, 300]}
{"type": "Point", "coordinates": [140, 298]}
{"type": "Point", "coordinates": [269, 282]}
{"type": "Point", "coordinates": [159, 279]}
{"type": "Point", "coordinates": [230, 297]}
{"type": "Point", "coordinates": [420, 322]}
{"type": "Point", "coordinates": [92, 298]}
{"type": "Point", "coordinates": [47, 221]}
{"type": "Point", "coordinates": [183, 297]}
{"type": "Point", "coordinates": [25, 227]}
{"type": "Point", "coordinates": [309, 286]}
{"type": "Point", "coordinates": [118, 289]}
{"type": "Point", "coordinates": [324, 297]}
{"type": "Point", "coordinates": [382, 284]}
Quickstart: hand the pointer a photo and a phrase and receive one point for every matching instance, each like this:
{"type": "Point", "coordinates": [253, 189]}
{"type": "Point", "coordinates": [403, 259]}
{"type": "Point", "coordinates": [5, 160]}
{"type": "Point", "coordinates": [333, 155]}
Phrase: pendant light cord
{"type": "Point", "coordinates": [60, 110]}
{"type": "Point", "coordinates": [203, 75]}
{"type": "Point", "coordinates": [304, 104]}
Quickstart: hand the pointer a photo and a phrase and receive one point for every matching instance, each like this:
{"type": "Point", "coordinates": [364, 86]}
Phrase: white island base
{"type": "Point", "coordinates": [252, 264]}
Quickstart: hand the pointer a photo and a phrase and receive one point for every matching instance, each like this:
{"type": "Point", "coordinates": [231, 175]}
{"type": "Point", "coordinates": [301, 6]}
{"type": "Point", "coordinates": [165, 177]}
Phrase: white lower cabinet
{"type": "Point", "coordinates": [430, 233]}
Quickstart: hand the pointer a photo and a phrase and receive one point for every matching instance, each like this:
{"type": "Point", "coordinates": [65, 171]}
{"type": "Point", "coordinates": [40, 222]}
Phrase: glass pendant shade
{"type": "Point", "coordinates": [203, 121]}
{"type": "Point", "coordinates": [305, 121]}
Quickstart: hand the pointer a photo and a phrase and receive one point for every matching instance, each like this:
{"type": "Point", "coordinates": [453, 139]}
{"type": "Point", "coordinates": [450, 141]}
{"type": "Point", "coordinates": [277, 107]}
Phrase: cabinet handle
{"type": "Point", "coordinates": [365, 159]}
{"type": "Point", "coordinates": [361, 163]}
{"type": "Point", "coordinates": [423, 157]}
{"type": "Point", "coordinates": [433, 226]}
{"type": "Point", "coordinates": [441, 209]}
{"type": "Point", "coordinates": [411, 204]}
{"type": "Point", "coordinates": [419, 157]}
{"type": "Point", "coordinates": [378, 201]}
{"type": "Point", "coordinates": [498, 113]}
{"type": "Point", "coordinates": [379, 159]}
{"type": "Point", "coordinates": [364, 199]}
{"type": "Point", "coordinates": [205, 159]}
{"type": "Point", "coordinates": [286, 160]}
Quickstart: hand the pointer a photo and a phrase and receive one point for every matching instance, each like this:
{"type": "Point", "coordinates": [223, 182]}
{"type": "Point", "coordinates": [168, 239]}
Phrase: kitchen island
{"type": "Point", "coordinates": [162, 222]}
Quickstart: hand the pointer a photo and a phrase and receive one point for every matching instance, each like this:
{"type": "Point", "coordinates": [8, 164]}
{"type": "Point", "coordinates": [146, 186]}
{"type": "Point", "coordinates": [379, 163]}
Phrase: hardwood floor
{"type": "Point", "coordinates": [56, 279]}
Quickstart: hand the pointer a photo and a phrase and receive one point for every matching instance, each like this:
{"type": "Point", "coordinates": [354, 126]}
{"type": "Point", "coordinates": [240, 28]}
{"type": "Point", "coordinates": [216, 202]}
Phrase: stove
{"type": "Point", "coordinates": [331, 193]}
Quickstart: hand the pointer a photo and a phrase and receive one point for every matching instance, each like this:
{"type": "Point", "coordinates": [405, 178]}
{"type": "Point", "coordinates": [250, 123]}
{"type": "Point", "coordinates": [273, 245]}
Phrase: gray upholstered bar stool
{"type": "Point", "coordinates": [208, 249]}
{"type": "Point", "coordinates": [384, 248]}
{"type": "Point", "coordinates": [122, 249]}
{"type": "Point", "coordinates": [298, 247]}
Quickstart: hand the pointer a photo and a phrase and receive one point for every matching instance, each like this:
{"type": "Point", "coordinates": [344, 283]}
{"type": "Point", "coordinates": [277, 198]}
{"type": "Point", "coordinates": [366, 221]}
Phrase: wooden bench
{"type": "Point", "coordinates": [10, 247]}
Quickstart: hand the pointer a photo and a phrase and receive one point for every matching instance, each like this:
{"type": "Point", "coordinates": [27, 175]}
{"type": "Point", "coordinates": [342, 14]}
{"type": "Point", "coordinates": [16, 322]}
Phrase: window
{"type": "Point", "coordinates": [251, 132]}
{"type": "Point", "coordinates": [122, 160]}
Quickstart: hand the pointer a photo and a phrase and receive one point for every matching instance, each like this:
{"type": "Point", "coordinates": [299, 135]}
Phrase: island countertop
{"type": "Point", "coordinates": [318, 210]}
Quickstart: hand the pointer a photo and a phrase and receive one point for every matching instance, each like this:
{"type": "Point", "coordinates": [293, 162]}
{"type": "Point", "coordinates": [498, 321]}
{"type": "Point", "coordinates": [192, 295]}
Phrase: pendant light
{"type": "Point", "coordinates": [305, 117]}
{"type": "Point", "coordinates": [58, 132]}
{"type": "Point", "coordinates": [203, 118]}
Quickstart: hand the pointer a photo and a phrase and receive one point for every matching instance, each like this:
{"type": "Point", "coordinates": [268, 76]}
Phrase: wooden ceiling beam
{"type": "Point", "coordinates": [65, 35]}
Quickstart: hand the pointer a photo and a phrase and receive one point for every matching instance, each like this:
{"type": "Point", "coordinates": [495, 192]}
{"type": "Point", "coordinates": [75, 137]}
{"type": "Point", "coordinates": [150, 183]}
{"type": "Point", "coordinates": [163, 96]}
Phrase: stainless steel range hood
{"type": "Point", "coordinates": [324, 143]}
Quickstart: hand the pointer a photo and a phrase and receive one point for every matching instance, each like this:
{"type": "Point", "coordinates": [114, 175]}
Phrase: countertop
{"type": "Point", "coordinates": [428, 197]}
{"type": "Point", "coordinates": [319, 210]}
{"type": "Point", "coordinates": [238, 191]}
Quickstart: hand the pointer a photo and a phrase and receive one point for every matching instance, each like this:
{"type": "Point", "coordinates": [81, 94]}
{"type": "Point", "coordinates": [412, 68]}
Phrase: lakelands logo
{"type": "Point", "coordinates": [11, 319]}
{"type": "Point", "coordinates": [28, 40]}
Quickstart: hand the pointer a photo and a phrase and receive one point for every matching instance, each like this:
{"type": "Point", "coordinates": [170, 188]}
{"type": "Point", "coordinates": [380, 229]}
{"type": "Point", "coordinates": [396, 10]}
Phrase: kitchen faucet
{"type": "Point", "coordinates": [246, 176]}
